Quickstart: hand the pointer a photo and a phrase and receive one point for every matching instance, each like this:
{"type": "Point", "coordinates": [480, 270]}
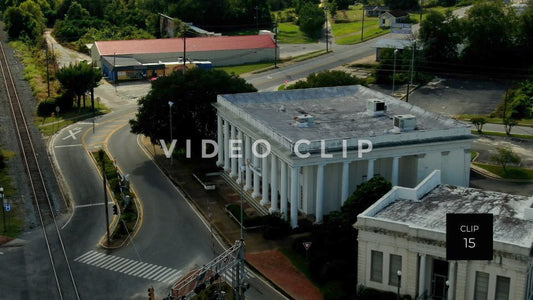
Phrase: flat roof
{"type": "Point", "coordinates": [339, 113]}
{"type": "Point", "coordinates": [194, 44]}
{"type": "Point", "coordinates": [510, 224]}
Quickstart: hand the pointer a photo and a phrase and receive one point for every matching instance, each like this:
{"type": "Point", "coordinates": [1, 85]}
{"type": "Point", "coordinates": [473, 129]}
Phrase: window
{"type": "Point", "coordinates": [502, 287]}
{"type": "Point", "coordinates": [394, 265]}
{"type": "Point", "coordinates": [376, 266]}
{"type": "Point", "coordinates": [482, 286]}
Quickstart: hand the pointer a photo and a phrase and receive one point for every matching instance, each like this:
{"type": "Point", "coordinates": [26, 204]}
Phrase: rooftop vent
{"type": "Point", "coordinates": [404, 122]}
{"type": "Point", "coordinates": [375, 107]}
{"type": "Point", "coordinates": [304, 121]}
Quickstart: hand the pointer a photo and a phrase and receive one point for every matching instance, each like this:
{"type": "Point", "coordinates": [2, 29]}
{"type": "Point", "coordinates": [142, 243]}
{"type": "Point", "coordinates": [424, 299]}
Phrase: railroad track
{"type": "Point", "coordinates": [60, 266]}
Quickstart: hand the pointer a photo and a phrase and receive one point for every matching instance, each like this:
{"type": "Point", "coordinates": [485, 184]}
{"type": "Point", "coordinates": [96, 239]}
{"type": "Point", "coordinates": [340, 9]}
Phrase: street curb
{"type": "Point", "coordinates": [218, 231]}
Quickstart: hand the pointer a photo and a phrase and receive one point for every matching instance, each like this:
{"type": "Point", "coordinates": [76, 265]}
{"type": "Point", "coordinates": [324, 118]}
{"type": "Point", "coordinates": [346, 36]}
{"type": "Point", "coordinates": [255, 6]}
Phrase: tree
{"type": "Point", "coordinates": [489, 32]}
{"type": "Point", "coordinates": [440, 35]}
{"type": "Point", "coordinates": [79, 79]}
{"type": "Point", "coordinates": [504, 157]}
{"type": "Point", "coordinates": [479, 122]}
{"type": "Point", "coordinates": [24, 21]}
{"type": "Point", "coordinates": [365, 195]}
{"type": "Point", "coordinates": [326, 78]}
{"type": "Point", "coordinates": [193, 116]}
{"type": "Point", "coordinates": [509, 123]}
{"type": "Point", "coordinates": [311, 18]}
{"type": "Point", "coordinates": [402, 4]}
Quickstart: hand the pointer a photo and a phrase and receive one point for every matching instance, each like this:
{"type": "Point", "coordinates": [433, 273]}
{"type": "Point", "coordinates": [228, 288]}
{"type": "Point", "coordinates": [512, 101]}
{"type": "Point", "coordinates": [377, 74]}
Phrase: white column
{"type": "Point", "coordinates": [294, 197]}
{"type": "Point", "coordinates": [220, 141]}
{"type": "Point", "coordinates": [248, 157]}
{"type": "Point", "coordinates": [255, 163]}
{"type": "Point", "coordinates": [345, 181]}
{"type": "Point", "coordinates": [273, 184]}
{"type": "Point", "coordinates": [395, 170]}
{"type": "Point", "coordinates": [370, 170]}
{"type": "Point", "coordinates": [422, 275]}
{"type": "Point", "coordinates": [283, 190]}
{"type": "Point", "coordinates": [451, 280]}
{"type": "Point", "coordinates": [226, 146]}
{"type": "Point", "coordinates": [319, 205]}
{"type": "Point", "coordinates": [240, 160]}
{"type": "Point", "coordinates": [264, 176]}
{"type": "Point", "coordinates": [234, 168]}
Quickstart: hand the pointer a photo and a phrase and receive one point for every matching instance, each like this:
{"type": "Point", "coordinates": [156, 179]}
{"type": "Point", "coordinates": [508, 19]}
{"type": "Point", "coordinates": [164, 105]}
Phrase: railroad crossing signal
{"type": "Point", "coordinates": [7, 207]}
{"type": "Point", "coordinates": [151, 293]}
{"type": "Point", "coordinates": [115, 209]}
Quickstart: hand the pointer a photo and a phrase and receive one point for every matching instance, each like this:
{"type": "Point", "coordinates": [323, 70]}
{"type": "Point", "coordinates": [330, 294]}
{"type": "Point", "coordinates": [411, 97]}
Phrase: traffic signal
{"type": "Point", "coordinates": [151, 293]}
{"type": "Point", "coordinates": [115, 209]}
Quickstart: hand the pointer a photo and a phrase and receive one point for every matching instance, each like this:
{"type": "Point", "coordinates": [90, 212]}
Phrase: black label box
{"type": "Point", "coordinates": [469, 236]}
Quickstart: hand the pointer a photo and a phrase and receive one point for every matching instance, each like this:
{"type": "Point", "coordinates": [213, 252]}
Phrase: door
{"type": "Point", "coordinates": [438, 279]}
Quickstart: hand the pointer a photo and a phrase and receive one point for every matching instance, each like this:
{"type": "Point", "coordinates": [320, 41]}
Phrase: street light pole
{"type": "Point", "coordinates": [327, 31]}
{"type": "Point", "coordinates": [3, 208]}
{"type": "Point", "coordinates": [394, 71]}
{"type": "Point", "coordinates": [399, 274]}
{"type": "Point", "coordinates": [170, 103]}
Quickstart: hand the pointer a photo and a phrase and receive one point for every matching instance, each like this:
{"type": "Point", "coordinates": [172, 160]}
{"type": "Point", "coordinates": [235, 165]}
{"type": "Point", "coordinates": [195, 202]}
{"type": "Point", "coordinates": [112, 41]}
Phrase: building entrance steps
{"type": "Point", "coordinates": [247, 196]}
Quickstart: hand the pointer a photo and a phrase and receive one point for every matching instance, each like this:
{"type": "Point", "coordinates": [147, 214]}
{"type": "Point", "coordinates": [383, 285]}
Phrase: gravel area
{"type": "Point", "coordinates": [9, 141]}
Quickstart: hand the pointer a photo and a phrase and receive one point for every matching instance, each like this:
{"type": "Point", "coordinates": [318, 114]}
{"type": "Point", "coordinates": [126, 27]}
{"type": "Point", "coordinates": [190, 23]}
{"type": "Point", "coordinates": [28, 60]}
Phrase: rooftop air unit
{"type": "Point", "coordinates": [304, 121]}
{"type": "Point", "coordinates": [404, 122]}
{"type": "Point", "coordinates": [375, 107]}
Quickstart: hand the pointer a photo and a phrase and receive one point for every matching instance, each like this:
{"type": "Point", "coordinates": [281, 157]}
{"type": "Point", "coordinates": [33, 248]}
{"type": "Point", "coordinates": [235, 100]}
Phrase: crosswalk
{"type": "Point", "coordinates": [130, 267]}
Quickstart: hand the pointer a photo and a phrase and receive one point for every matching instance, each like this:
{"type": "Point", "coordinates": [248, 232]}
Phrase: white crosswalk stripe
{"type": "Point", "coordinates": [130, 267]}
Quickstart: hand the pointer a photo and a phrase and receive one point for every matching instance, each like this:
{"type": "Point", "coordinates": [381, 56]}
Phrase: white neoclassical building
{"type": "Point", "coordinates": [405, 231]}
{"type": "Point", "coordinates": [317, 146]}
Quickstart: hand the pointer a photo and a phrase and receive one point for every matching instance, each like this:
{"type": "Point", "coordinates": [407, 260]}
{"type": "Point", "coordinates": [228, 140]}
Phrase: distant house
{"type": "Point", "coordinates": [375, 11]}
{"type": "Point", "coordinates": [402, 242]}
{"type": "Point", "coordinates": [389, 18]}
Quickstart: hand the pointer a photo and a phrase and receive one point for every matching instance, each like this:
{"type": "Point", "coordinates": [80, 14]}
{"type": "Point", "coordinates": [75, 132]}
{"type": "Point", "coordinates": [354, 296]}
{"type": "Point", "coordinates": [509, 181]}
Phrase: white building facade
{"type": "Point", "coordinates": [317, 146]}
{"type": "Point", "coordinates": [406, 231]}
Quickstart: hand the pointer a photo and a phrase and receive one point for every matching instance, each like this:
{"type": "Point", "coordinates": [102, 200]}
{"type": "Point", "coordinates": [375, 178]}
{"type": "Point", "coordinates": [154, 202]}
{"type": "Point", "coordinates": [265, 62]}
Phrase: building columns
{"type": "Point", "coordinates": [294, 196]}
{"type": "Point", "coordinates": [370, 169]}
{"type": "Point", "coordinates": [451, 280]}
{"type": "Point", "coordinates": [422, 275]}
{"type": "Point", "coordinates": [345, 181]}
{"type": "Point", "coordinates": [273, 184]}
{"type": "Point", "coordinates": [248, 154]}
{"type": "Point", "coordinates": [226, 146]}
{"type": "Point", "coordinates": [240, 160]}
{"type": "Point", "coordinates": [255, 164]}
{"type": "Point", "coordinates": [220, 141]}
{"type": "Point", "coordinates": [395, 170]}
{"type": "Point", "coordinates": [264, 175]}
{"type": "Point", "coordinates": [283, 190]}
{"type": "Point", "coordinates": [319, 205]}
{"type": "Point", "coordinates": [233, 157]}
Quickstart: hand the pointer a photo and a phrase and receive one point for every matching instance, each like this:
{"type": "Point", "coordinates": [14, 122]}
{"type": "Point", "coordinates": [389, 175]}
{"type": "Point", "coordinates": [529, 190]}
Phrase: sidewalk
{"type": "Point", "coordinates": [261, 254]}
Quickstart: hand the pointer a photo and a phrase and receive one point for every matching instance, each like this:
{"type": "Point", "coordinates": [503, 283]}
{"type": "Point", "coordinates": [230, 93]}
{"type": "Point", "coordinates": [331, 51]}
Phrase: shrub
{"type": "Point", "coordinates": [276, 227]}
{"type": "Point", "coordinates": [46, 108]}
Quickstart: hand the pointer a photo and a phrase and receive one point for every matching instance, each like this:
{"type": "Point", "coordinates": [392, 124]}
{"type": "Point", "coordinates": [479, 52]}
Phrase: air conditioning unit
{"type": "Point", "coordinates": [375, 107]}
{"type": "Point", "coordinates": [405, 122]}
{"type": "Point", "coordinates": [304, 121]}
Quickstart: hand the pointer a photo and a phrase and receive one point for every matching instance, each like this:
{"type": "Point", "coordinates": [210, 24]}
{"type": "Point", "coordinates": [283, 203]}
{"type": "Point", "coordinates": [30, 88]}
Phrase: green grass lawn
{"type": "Point", "coordinates": [512, 172]}
{"type": "Point", "coordinates": [468, 117]}
{"type": "Point", "coordinates": [350, 33]}
{"type": "Point", "coordinates": [15, 217]}
{"type": "Point", "coordinates": [238, 70]}
{"type": "Point", "coordinates": [290, 33]}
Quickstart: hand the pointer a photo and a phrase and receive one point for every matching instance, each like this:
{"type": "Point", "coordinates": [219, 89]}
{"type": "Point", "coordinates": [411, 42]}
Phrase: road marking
{"type": "Point", "coordinates": [130, 267]}
{"type": "Point", "coordinates": [87, 123]}
{"type": "Point", "coordinates": [72, 133]}
{"type": "Point", "coordinates": [92, 204]}
{"type": "Point", "coordinates": [65, 146]}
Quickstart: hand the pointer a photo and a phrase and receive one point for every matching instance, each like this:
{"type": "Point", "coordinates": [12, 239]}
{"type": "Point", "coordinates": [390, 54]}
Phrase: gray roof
{"type": "Point", "coordinates": [339, 113]}
{"type": "Point", "coordinates": [394, 44]}
{"type": "Point", "coordinates": [510, 224]}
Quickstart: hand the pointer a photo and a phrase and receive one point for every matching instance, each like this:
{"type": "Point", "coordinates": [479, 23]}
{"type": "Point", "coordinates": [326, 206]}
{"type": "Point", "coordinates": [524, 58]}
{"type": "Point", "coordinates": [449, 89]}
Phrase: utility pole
{"type": "Point", "coordinates": [421, 11]}
{"type": "Point", "coordinates": [327, 31]}
{"type": "Point", "coordinates": [3, 208]}
{"type": "Point", "coordinates": [102, 159]}
{"type": "Point", "coordinates": [394, 72]}
{"type": "Point", "coordinates": [276, 44]}
{"type": "Point", "coordinates": [257, 18]}
{"type": "Point", "coordinates": [47, 69]}
{"type": "Point", "coordinates": [184, 48]}
{"type": "Point", "coordinates": [412, 70]}
{"type": "Point", "coordinates": [363, 25]}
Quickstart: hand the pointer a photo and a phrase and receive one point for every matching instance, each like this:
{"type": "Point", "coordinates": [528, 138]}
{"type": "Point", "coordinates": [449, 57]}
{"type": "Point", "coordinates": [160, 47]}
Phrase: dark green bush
{"type": "Point", "coordinates": [46, 108]}
{"type": "Point", "coordinates": [275, 227]}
